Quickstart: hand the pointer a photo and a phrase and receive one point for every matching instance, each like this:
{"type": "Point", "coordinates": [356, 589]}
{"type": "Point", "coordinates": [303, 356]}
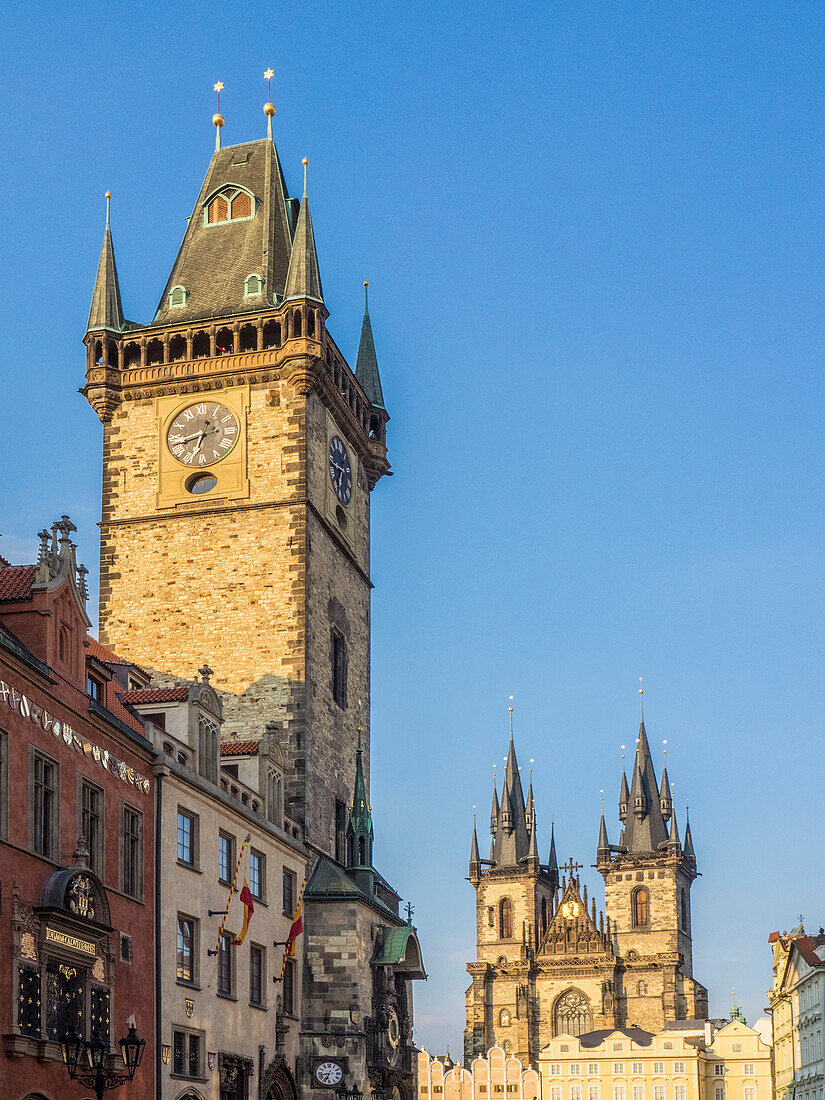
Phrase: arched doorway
{"type": "Point", "coordinates": [278, 1083]}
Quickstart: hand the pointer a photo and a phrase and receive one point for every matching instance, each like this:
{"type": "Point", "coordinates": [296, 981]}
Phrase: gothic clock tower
{"type": "Point", "coordinates": [239, 453]}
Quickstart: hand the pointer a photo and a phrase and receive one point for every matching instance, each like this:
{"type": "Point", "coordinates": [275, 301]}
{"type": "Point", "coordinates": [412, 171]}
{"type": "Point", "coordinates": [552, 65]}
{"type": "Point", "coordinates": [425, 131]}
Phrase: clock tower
{"type": "Point", "coordinates": [240, 450]}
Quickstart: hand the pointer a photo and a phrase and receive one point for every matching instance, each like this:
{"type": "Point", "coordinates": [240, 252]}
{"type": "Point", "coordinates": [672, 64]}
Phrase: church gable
{"type": "Point", "coordinates": [572, 930]}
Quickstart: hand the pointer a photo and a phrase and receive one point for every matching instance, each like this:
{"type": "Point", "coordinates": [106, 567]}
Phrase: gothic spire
{"type": "Point", "coordinates": [665, 800]}
{"type": "Point", "coordinates": [106, 311]}
{"type": "Point", "coordinates": [624, 797]}
{"type": "Point", "coordinates": [552, 861]}
{"type": "Point", "coordinates": [495, 810]}
{"type": "Point", "coordinates": [532, 857]}
{"type": "Point", "coordinates": [688, 845]}
{"type": "Point", "coordinates": [474, 856]}
{"type": "Point", "coordinates": [645, 828]}
{"type": "Point", "coordinates": [359, 826]}
{"type": "Point", "coordinates": [673, 837]}
{"type": "Point", "coordinates": [603, 847]}
{"type": "Point", "coordinates": [512, 835]}
{"type": "Point", "coordinates": [366, 365]}
{"type": "Point", "coordinates": [303, 279]}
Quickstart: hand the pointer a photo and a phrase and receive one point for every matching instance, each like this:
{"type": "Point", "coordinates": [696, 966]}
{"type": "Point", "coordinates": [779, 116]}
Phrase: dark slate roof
{"type": "Point", "coordinates": [102, 653]}
{"type": "Point", "coordinates": [639, 1036]}
{"type": "Point", "coordinates": [644, 832]}
{"type": "Point", "coordinates": [156, 695]}
{"type": "Point", "coordinates": [106, 310]}
{"type": "Point", "coordinates": [16, 582]}
{"type": "Point", "coordinates": [239, 748]}
{"type": "Point", "coordinates": [366, 365]}
{"type": "Point", "coordinates": [214, 260]}
{"type": "Point", "coordinates": [330, 880]}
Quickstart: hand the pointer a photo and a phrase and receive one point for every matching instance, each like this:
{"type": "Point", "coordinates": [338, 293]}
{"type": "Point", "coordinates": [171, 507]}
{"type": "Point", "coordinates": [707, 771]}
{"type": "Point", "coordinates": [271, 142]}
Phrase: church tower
{"type": "Point", "coordinates": [240, 450]}
{"type": "Point", "coordinates": [647, 877]}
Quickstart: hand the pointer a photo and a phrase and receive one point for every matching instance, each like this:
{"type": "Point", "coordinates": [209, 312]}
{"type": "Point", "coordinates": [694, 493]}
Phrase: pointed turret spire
{"type": "Point", "coordinates": [645, 827]}
{"type": "Point", "coordinates": [603, 847]}
{"type": "Point", "coordinates": [366, 365]}
{"type": "Point", "coordinates": [532, 857]}
{"type": "Point", "coordinates": [512, 838]}
{"type": "Point", "coordinates": [673, 838]}
{"type": "Point", "coordinates": [474, 856]}
{"type": "Point", "coordinates": [552, 861]}
{"type": "Point", "coordinates": [494, 810]}
{"type": "Point", "coordinates": [530, 810]}
{"type": "Point", "coordinates": [303, 279]}
{"type": "Point", "coordinates": [665, 800]}
{"type": "Point", "coordinates": [106, 311]}
{"type": "Point", "coordinates": [688, 845]}
{"type": "Point", "coordinates": [359, 826]}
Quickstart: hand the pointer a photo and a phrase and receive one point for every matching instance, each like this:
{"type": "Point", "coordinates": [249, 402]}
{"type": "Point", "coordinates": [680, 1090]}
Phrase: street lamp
{"type": "Point", "coordinates": [343, 1093]}
{"type": "Point", "coordinates": [96, 1051]}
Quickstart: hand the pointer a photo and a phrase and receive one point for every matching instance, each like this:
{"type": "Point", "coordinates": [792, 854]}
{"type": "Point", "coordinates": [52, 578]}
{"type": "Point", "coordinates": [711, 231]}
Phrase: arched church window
{"type": "Point", "coordinates": [683, 899]}
{"type": "Point", "coordinates": [362, 852]}
{"type": "Point", "coordinates": [544, 914]}
{"type": "Point", "coordinates": [572, 1015]}
{"type": "Point", "coordinates": [505, 919]}
{"type": "Point", "coordinates": [230, 205]}
{"type": "Point", "coordinates": [641, 907]}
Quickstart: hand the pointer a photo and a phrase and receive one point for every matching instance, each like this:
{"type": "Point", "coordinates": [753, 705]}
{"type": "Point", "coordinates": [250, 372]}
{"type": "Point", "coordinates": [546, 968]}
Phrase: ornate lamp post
{"type": "Point", "coordinates": [77, 1053]}
{"type": "Point", "coordinates": [343, 1093]}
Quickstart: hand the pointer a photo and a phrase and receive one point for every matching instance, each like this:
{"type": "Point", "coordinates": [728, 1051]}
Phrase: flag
{"type": "Point", "coordinates": [248, 910]}
{"type": "Point", "coordinates": [295, 931]}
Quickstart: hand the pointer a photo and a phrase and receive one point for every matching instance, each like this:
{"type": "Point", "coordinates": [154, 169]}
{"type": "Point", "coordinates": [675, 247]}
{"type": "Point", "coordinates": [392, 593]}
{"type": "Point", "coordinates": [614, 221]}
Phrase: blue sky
{"type": "Point", "coordinates": [594, 237]}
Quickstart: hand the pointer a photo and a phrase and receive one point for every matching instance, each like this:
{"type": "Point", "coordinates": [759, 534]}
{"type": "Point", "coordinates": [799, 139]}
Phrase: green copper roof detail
{"type": "Point", "coordinates": [106, 311]}
{"type": "Point", "coordinates": [366, 365]}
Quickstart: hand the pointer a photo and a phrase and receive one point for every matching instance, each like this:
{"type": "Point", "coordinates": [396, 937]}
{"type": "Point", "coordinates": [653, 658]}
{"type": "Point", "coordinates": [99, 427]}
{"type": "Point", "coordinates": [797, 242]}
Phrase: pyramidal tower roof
{"type": "Point", "coordinates": [303, 278]}
{"type": "Point", "coordinates": [220, 250]}
{"type": "Point", "coordinates": [645, 828]}
{"type": "Point", "coordinates": [106, 311]}
{"type": "Point", "coordinates": [512, 840]}
{"type": "Point", "coordinates": [366, 365]}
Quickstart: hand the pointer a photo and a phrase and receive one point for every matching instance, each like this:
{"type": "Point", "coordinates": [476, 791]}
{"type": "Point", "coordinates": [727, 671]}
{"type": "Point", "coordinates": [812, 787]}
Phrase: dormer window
{"type": "Point", "coordinates": [178, 296]}
{"type": "Point", "coordinates": [253, 286]}
{"type": "Point", "coordinates": [231, 205]}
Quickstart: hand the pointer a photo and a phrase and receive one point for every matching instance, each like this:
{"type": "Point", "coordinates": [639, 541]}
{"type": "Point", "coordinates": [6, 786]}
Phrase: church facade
{"type": "Point", "coordinates": [547, 962]}
{"type": "Point", "coordinates": [240, 450]}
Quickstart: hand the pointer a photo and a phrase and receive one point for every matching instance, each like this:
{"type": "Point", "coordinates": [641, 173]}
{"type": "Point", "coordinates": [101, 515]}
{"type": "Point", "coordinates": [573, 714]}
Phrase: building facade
{"type": "Point", "coordinates": [240, 450]}
{"type": "Point", "coordinates": [227, 1024]}
{"type": "Point", "coordinates": [76, 833]}
{"type": "Point", "coordinates": [797, 1003]}
{"type": "Point", "coordinates": [547, 963]}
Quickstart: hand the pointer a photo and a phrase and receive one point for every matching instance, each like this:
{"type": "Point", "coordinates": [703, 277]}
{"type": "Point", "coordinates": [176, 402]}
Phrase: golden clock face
{"type": "Point", "coordinates": [570, 910]}
{"type": "Point", "coordinates": [202, 434]}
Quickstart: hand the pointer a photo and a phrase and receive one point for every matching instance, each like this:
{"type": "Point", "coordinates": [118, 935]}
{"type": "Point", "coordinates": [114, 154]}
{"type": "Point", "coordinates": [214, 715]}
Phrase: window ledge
{"type": "Point", "coordinates": [187, 985]}
{"type": "Point", "coordinates": [186, 1077]}
{"type": "Point", "coordinates": [197, 870]}
{"type": "Point", "coordinates": [262, 1008]}
{"type": "Point", "coordinates": [227, 996]}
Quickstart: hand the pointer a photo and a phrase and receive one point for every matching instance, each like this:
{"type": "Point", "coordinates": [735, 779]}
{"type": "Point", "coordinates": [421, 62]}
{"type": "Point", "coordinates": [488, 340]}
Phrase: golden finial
{"type": "Point", "coordinates": [218, 119]}
{"type": "Point", "coordinates": [269, 106]}
{"type": "Point", "coordinates": [108, 201]}
{"type": "Point", "coordinates": [664, 749]}
{"type": "Point", "coordinates": [305, 162]}
{"type": "Point", "coordinates": [641, 698]}
{"type": "Point", "coordinates": [510, 708]}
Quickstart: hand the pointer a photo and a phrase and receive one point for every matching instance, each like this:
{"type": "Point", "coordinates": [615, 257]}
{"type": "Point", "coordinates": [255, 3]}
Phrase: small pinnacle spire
{"type": "Point", "coordinates": [533, 850]}
{"type": "Point", "coordinates": [218, 119]}
{"type": "Point", "coordinates": [604, 843]}
{"type": "Point", "coordinates": [494, 812]}
{"type": "Point", "coordinates": [366, 365]}
{"type": "Point", "coordinates": [269, 106]}
{"type": "Point", "coordinates": [303, 279]}
{"type": "Point", "coordinates": [474, 856]}
{"type": "Point", "coordinates": [552, 861]}
{"type": "Point", "coordinates": [688, 845]}
{"type": "Point", "coordinates": [106, 310]}
{"type": "Point", "coordinates": [674, 830]}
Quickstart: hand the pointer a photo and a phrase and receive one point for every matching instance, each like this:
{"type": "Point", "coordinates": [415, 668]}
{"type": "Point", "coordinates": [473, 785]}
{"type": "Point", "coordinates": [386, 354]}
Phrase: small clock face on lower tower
{"type": "Point", "coordinates": [328, 1073]}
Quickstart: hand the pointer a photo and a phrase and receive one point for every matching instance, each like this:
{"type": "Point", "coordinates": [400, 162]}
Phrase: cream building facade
{"type": "Point", "coordinates": [499, 1075]}
{"type": "Point", "coordinates": [228, 1024]}
{"type": "Point", "coordinates": [797, 1002]}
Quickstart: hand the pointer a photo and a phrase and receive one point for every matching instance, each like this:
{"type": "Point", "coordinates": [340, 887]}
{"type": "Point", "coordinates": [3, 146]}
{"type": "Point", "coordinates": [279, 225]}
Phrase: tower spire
{"type": "Point", "coordinates": [106, 311]}
{"type": "Point", "coordinates": [552, 861]}
{"type": "Point", "coordinates": [366, 365]}
{"type": "Point", "coordinates": [359, 826]}
{"type": "Point", "coordinates": [645, 828]}
{"type": "Point", "coordinates": [303, 279]}
{"type": "Point", "coordinates": [688, 845]}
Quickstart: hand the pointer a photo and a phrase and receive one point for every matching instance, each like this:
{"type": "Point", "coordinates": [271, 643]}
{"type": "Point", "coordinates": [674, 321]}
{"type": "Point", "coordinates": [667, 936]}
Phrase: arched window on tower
{"type": "Point", "coordinates": [505, 919]}
{"type": "Point", "coordinates": [544, 914]}
{"type": "Point", "coordinates": [683, 899]}
{"type": "Point", "coordinates": [641, 907]}
{"type": "Point", "coordinates": [208, 749]}
{"type": "Point", "coordinates": [572, 1014]}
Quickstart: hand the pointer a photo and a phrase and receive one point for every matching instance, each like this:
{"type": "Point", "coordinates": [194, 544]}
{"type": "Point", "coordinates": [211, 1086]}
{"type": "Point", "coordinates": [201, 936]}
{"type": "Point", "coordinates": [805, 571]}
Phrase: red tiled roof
{"type": "Point", "coordinates": [16, 581]}
{"type": "Point", "coordinates": [113, 703]}
{"type": "Point", "coordinates": [102, 653]}
{"type": "Point", "coordinates": [239, 748]}
{"type": "Point", "coordinates": [3, 562]}
{"type": "Point", "coordinates": [156, 695]}
{"type": "Point", "coordinates": [807, 945]}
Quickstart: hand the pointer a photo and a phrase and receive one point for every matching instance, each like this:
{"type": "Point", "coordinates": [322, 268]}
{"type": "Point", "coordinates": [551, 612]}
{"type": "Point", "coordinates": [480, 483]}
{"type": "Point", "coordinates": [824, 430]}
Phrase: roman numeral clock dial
{"type": "Point", "coordinates": [202, 434]}
{"type": "Point", "coordinates": [340, 470]}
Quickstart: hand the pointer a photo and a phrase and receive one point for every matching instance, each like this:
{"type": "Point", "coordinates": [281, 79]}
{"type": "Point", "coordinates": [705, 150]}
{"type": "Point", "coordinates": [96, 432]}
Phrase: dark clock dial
{"type": "Point", "coordinates": [202, 434]}
{"type": "Point", "coordinates": [340, 470]}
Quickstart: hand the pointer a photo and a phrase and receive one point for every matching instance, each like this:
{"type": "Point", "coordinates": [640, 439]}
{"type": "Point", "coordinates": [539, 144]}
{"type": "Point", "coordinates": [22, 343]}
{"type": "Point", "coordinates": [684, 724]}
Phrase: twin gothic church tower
{"type": "Point", "coordinates": [546, 962]}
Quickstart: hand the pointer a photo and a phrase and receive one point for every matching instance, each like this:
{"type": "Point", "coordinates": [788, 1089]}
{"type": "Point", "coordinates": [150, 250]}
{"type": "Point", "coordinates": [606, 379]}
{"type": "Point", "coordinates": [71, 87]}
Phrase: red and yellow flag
{"type": "Point", "coordinates": [248, 910]}
{"type": "Point", "coordinates": [296, 929]}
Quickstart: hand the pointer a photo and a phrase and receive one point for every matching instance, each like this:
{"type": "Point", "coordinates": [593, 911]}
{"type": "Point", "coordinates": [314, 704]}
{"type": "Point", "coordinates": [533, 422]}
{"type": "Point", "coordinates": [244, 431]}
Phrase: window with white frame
{"type": "Point", "coordinates": [680, 1092]}
{"type": "Point", "coordinates": [719, 1093]}
{"type": "Point", "coordinates": [747, 1069]}
{"type": "Point", "coordinates": [575, 1092]}
{"type": "Point", "coordinates": [658, 1067]}
{"type": "Point", "coordinates": [555, 1092]}
{"type": "Point", "coordinates": [178, 296]}
{"type": "Point", "coordinates": [618, 1067]}
{"type": "Point", "coordinates": [750, 1092]}
{"type": "Point", "coordinates": [619, 1092]}
{"type": "Point", "coordinates": [593, 1068]}
{"type": "Point", "coordinates": [575, 1068]}
{"type": "Point", "coordinates": [719, 1069]}
{"type": "Point", "coordinates": [638, 1067]}
{"type": "Point", "coordinates": [253, 285]}
{"type": "Point", "coordinates": [594, 1091]}
{"type": "Point", "coordinates": [659, 1090]}
{"type": "Point", "coordinates": [678, 1067]}
{"type": "Point", "coordinates": [555, 1069]}
{"type": "Point", "coordinates": [638, 1091]}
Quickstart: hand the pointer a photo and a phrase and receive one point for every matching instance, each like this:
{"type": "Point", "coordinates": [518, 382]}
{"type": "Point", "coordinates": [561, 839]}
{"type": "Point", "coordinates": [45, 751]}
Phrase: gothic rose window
{"type": "Point", "coordinates": [572, 1015]}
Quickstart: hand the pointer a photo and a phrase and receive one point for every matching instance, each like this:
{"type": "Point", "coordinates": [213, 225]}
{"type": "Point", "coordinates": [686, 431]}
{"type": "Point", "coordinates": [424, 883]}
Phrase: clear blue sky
{"type": "Point", "coordinates": [594, 235]}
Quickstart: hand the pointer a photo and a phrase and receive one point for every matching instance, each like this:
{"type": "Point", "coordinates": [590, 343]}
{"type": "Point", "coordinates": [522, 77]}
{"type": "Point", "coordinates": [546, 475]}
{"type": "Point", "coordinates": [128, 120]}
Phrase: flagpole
{"type": "Point", "coordinates": [229, 898]}
{"type": "Point", "coordinates": [299, 915]}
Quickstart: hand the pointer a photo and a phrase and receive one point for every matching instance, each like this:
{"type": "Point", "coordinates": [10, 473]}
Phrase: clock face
{"type": "Point", "coordinates": [340, 470]}
{"type": "Point", "coordinates": [328, 1073]}
{"type": "Point", "coordinates": [202, 434]}
{"type": "Point", "coordinates": [393, 1036]}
